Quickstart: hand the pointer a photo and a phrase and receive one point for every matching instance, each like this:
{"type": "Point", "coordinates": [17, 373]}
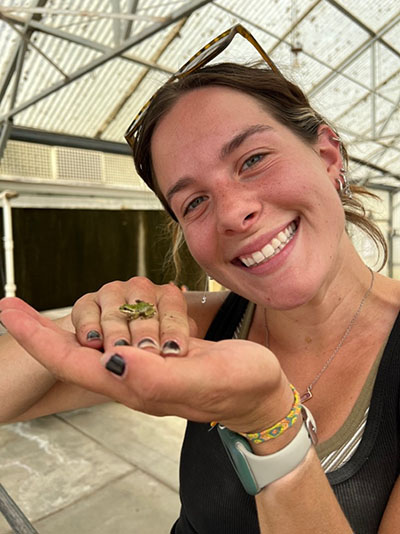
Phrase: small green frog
{"type": "Point", "coordinates": [140, 310]}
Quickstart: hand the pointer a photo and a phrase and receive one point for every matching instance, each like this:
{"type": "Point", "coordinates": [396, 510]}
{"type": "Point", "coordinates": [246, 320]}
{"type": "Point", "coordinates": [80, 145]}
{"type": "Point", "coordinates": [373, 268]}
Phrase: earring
{"type": "Point", "coordinates": [344, 186]}
{"type": "Point", "coordinates": [206, 288]}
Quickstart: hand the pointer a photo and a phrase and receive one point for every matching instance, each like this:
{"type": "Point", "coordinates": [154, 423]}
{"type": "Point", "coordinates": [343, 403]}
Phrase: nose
{"type": "Point", "coordinates": [236, 210]}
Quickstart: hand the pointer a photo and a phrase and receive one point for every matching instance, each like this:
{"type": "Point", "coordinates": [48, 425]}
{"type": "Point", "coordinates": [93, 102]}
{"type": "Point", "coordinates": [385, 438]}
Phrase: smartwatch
{"type": "Point", "coordinates": [254, 471]}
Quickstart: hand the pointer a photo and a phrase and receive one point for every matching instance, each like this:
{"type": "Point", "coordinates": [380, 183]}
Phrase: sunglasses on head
{"type": "Point", "coordinates": [201, 58]}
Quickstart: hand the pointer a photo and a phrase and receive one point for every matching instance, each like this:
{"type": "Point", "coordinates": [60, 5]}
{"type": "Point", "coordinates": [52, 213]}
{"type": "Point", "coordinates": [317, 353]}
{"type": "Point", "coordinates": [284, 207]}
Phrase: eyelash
{"type": "Point", "coordinates": [195, 202]}
{"type": "Point", "coordinates": [190, 206]}
{"type": "Point", "coordinates": [259, 157]}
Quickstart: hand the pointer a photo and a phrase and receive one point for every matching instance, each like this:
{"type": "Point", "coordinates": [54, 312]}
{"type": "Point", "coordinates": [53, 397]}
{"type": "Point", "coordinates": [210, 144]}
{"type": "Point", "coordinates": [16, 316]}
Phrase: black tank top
{"type": "Point", "coordinates": [213, 499]}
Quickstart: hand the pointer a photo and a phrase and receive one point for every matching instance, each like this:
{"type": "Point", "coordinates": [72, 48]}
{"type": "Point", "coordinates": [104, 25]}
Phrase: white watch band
{"type": "Point", "coordinates": [267, 469]}
{"type": "Point", "coordinates": [255, 472]}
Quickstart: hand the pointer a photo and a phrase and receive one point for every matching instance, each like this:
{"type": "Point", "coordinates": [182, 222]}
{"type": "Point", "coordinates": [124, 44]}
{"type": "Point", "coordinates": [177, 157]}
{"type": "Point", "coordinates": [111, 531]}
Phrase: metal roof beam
{"type": "Point", "coordinates": [294, 25]}
{"type": "Point", "coordinates": [14, 54]}
{"type": "Point", "coordinates": [94, 45]}
{"type": "Point", "coordinates": [30, 135]}
{"type": "Point", "coordinates": [357, 21]}
{"type": "Point", "coordinates": [125, 98]}
{"type": "Point", "coordinates": [353, 56]}
{"type": "Point", "coordinates": [184, 11]}
{"type": "Point", "coordinates": [132, 6]}
{"type": "Point", "coordinates": [311, 56]}
{"type": "Point", "coordinates": [116, 8]}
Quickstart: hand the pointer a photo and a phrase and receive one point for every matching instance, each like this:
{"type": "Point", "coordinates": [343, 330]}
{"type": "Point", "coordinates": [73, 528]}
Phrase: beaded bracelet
{"type": "Point", "coordinates": [278, 428]}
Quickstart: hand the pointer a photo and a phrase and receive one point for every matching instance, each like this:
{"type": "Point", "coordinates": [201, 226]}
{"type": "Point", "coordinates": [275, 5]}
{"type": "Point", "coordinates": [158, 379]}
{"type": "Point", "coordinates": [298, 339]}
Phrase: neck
{"type": "Point", "coordinates": [316, 327]}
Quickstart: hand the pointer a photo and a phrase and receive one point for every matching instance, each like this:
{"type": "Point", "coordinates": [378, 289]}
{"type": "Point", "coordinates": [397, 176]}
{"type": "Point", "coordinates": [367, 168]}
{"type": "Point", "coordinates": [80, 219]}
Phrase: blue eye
{"type": "Point", "coordinates": [253, 160]}
{"type": "Point", "coordinates": [194, 203]}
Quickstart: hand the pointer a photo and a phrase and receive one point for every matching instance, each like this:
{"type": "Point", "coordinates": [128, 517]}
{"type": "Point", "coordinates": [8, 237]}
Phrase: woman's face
{"type": "Point", "coordinates": [258, 206]}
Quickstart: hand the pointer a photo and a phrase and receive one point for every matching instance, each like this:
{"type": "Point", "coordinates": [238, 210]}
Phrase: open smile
{"type": "Point", "coordinates": [272, 248]}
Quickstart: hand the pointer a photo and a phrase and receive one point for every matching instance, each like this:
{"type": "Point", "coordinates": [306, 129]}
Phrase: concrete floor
{"type": "Point", "coordinates": [100, 470]}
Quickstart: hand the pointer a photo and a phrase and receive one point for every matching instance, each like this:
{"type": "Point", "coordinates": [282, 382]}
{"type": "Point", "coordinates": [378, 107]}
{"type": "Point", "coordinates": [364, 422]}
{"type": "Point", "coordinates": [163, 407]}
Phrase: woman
{"type": "Point", "coordinates": [255, 178]}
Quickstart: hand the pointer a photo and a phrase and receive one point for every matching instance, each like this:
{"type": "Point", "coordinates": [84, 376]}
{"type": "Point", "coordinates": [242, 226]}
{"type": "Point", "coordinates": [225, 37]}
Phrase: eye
{"type": "Point", "coordinates": [194, 203]}
{"type": "Point", "coordinates": [253, 160]}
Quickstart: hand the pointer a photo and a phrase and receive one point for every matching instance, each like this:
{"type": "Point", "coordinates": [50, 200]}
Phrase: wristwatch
{"type": "Point", "coordinates": [255, 472]}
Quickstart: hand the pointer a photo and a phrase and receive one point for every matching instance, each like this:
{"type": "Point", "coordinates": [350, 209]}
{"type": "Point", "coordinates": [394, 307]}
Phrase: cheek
{"type": "Point", "coordinates": [200, 245]}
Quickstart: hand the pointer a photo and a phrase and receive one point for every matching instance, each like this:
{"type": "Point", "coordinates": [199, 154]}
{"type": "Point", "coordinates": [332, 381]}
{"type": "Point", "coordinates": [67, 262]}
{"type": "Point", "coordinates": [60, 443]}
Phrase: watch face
{"type": "Point", "coordinates": [235, 445]}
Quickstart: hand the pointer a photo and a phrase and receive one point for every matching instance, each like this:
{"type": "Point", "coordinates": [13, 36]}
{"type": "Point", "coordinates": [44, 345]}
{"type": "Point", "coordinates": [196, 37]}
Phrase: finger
{"type": "Point", "coordinates": [114, 325]}
{"type": "Point", "coordinates": [85, 317]}
{"type": "Point", "coordinates": [59, 351]}
{"type": "Point", "coordinates": [174, 321]}
{"type": "Point", "coordinates": [162, 385]}
{"type": "Point", "coordinates": [14, 303]}
{"type": "Point", "coordinates": [145, 331]}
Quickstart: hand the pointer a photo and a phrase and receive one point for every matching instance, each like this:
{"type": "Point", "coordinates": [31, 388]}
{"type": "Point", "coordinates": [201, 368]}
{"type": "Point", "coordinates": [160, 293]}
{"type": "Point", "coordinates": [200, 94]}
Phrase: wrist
{"type": "Point", "coordinates": [274, 445]}
{"type": "Point", "coordinates": [259, 470]}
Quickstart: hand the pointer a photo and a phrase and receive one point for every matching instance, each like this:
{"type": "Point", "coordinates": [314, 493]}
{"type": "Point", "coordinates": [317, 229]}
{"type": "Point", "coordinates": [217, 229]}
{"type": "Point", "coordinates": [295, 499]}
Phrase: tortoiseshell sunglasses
{"type": "Point", "coordinates": [203, 56]}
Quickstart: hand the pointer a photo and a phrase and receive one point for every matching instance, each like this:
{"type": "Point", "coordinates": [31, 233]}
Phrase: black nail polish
{"type": "Point", "coordinates": [121, 342]}
{"type": "Point", "coordinates": [116, 364]}
{"type": "Point", "coordinates": [93, 334]}
{"type": "Point", "coordinates": [147, 343]}
{"type": "Point", "coordinates": [171, 347]}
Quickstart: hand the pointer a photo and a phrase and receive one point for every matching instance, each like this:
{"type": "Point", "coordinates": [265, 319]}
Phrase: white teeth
{"type": "Point", "coordinates": [268, 250]}
{"type": "Point", "coordinates": [282, 237]}
{"type": "Point", "coordinates": [258, 256]}
{"type": "Point", "coordinates": [276, 244]}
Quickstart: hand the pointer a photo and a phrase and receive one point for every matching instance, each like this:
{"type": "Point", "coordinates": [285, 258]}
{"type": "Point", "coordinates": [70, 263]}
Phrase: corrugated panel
{"type": "Point", "coordinates": [310, 39]}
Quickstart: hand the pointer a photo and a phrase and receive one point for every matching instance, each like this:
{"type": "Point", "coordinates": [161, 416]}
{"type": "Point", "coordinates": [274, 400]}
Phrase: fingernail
{"type": "Point", "coordinates": [148, 343]}
{"type": "Point", "coordinates": [121, 342]}
{"type": "Point", "coordinates": [116, 364]}
{"type": "Point", "coordinates": [171, 347]}
{"type": "Point", "coordinates": [93, 334]}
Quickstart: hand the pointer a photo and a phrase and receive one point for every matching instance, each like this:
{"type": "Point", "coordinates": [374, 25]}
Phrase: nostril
{"type": "Point", "coordinates": [249, 216]}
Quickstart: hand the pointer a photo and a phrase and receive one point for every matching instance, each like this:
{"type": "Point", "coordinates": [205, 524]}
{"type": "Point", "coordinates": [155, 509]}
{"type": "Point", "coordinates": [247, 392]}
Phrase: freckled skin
{"type": "Point", "coordinates": [140, 310]}
{"type": "Point", "coordinates": [271, 179]}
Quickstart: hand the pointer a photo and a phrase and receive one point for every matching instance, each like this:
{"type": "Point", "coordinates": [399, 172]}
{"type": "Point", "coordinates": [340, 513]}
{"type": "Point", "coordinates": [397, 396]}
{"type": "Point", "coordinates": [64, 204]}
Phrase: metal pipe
{"type": "Point", "coordinates": [14, 515]}
{"type": "Point", "coordinates": [10, 287]}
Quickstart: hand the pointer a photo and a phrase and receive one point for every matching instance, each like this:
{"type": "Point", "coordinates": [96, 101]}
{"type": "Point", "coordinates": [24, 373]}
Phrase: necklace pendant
{"type": "Point", "coordinates": [306, 396]}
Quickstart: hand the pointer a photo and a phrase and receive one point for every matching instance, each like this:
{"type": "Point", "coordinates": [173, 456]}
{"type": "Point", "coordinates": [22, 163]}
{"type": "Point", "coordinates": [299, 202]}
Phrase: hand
{"type": "Point", "coordinates": [98, 321]}
{"type": "Point", "coordinates": [235, 382]}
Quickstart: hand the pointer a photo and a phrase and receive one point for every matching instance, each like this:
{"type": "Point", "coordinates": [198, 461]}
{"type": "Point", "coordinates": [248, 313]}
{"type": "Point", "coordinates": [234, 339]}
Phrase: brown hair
{"type": "Point", "coordinates": [283, 99]}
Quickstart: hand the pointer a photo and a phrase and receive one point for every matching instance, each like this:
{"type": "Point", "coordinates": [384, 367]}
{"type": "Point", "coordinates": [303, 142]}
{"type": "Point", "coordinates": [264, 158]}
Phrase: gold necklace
{"type": "Point", "coordinates": [307, 395]}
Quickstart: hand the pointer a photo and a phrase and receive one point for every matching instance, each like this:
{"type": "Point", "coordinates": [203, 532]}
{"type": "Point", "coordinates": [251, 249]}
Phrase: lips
{"type": "Point", "coordinates": [277, 243]}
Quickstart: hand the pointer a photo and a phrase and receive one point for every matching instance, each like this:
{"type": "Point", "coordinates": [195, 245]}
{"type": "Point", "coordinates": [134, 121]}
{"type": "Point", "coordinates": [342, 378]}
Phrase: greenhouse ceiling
{"type": "Point", "coordinates": [84, 68]}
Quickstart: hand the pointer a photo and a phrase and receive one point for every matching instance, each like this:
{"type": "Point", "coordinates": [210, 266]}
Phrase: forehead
{"type": "Point", "coordinates": [199, 123]}
{"type": "Point", "coordinates": [204, 108]}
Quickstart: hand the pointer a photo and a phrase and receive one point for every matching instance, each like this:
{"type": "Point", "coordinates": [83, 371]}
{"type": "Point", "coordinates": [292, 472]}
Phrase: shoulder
{"type": "Point", "coordinates": [203, 314]}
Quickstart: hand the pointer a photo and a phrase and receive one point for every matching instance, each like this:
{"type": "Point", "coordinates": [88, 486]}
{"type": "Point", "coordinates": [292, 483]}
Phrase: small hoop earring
{"type": "Point", "coordinates": [206, 288]}
{"type": "Point", "coordinates": [344, 186]}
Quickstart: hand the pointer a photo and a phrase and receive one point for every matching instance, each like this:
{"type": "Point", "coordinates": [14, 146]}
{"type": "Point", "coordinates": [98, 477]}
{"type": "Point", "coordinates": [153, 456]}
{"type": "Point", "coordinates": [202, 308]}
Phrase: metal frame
{"type": "Point", "coordinates": [125, 38]}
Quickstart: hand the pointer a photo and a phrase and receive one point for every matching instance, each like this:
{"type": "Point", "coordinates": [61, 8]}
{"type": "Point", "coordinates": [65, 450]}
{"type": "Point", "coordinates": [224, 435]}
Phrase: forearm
{"type": "Point", "coordinates": [23, 381]}
{"type": "Point", "coordinates": [301, 501]}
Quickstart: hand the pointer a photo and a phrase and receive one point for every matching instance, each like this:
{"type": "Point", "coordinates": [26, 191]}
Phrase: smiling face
{"type": "Point", "coordinates": [258, 206]}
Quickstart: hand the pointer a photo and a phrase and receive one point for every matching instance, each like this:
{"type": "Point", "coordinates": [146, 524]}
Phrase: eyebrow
{"type": "Point", "coordinates": [182, 183]}
{"type": "Point", "coordinates": [234, 143]}
{"type": "Point", "coordinates": [227, 149]}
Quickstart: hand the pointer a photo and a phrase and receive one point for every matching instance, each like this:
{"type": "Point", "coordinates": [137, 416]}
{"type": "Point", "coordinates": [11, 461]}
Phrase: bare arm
{"type": "Point", "coordinates": [236, 382]}
{"type": "Point", "coordinates": [301, 501]}
{"type": "Point", "coordinates": [29, 390]}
